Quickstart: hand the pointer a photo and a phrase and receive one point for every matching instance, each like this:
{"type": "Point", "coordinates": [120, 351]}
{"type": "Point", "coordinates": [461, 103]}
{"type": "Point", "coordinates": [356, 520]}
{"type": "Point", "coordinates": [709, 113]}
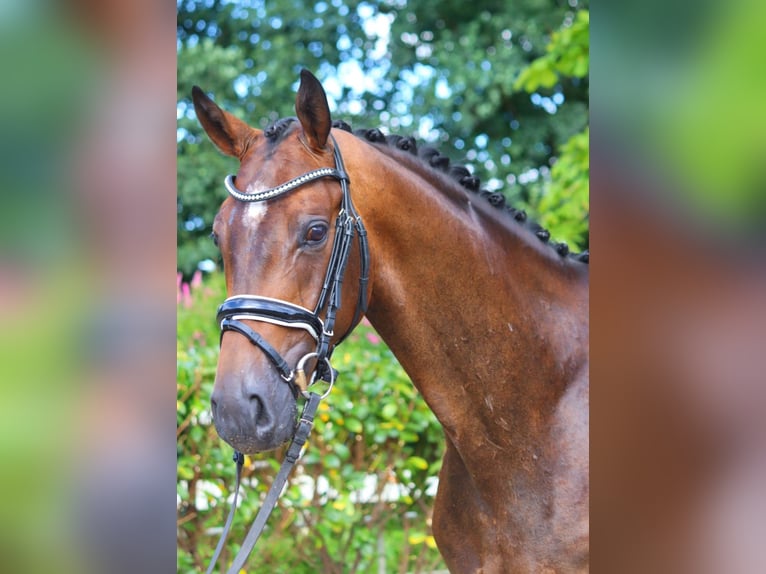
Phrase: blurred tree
{"type": "Point", "coordinates": [470, 55]}
{"type": "Point", "coordinates": [446, 70]}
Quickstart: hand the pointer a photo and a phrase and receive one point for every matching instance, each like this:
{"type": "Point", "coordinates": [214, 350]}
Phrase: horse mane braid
{"type": "Point", "coordinates": [276, 130]}
{"type": "Point", "coordinates": [440, 162]}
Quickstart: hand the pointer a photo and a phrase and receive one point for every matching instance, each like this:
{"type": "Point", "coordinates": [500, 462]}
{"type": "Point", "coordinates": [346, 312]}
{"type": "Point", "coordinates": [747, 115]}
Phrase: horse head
{"type": "Point", "coordinates": [284, 261]}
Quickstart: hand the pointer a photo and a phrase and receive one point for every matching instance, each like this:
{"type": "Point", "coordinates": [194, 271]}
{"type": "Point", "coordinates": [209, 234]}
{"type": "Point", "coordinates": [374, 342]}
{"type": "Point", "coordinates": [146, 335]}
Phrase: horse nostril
{"type": "Point", "coordinates": [257, 402]}
{"type": "Point", "coordinates": [260, 412]}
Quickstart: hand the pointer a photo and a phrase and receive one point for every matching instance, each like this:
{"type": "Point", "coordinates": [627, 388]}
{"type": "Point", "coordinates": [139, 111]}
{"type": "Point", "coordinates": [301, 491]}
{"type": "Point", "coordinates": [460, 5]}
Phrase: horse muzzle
{"type": "Point", "coordinates": [253, 410]}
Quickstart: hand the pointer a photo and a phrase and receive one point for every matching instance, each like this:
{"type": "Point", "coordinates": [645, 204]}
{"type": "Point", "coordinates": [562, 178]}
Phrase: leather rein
{"type": "Point", "coordinates": [319, 324]}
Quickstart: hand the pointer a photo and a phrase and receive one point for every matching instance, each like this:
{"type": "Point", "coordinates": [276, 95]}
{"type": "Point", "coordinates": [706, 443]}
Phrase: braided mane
{"type": "Point", "coordinates": [436, 160]}
{"type": "Point", "coordinates": [432, 157]}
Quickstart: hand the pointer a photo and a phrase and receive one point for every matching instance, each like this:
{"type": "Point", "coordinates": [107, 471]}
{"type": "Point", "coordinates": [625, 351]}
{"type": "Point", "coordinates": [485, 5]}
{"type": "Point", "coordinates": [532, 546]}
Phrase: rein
{"type": "Point", "coordinates": [319, 324]}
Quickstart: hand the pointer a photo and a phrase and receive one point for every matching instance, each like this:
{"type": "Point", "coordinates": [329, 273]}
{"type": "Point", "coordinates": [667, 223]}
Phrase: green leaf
{"type": "Point", "coordinates": [331, 461]}
{"type": "Point", "coordinates": [184, 472]}
{"type": "Point", "coordinates": [417, 462]}
{"type": "Point", "coordinates": [342, 451]}
{"type": "Point", "coordinates": [354, 425]}
{"type": "Point", "coordinates": [389, 411]}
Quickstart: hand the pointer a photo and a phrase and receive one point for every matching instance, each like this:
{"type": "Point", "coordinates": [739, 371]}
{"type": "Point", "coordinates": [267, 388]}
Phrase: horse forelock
{"type": "Point", "coordinates": [277, 130]}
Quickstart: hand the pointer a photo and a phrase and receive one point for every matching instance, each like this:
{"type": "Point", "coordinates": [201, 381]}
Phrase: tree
{"type": "Point", "coordinates": [447, 70]}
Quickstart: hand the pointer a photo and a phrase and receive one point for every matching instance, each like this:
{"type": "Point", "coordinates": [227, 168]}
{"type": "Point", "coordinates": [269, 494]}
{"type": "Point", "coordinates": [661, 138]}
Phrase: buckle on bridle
{"type": "Point", "coordinates": [303, 383]}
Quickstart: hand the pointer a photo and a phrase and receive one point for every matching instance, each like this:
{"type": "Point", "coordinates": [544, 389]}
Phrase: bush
{"type": "Point", "coordinates": [361, 495]}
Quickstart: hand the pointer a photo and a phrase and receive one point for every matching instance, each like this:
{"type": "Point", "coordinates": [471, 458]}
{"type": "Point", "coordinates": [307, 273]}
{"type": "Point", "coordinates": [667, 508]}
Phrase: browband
{"type": "Point", "coordinates": [282, 188]}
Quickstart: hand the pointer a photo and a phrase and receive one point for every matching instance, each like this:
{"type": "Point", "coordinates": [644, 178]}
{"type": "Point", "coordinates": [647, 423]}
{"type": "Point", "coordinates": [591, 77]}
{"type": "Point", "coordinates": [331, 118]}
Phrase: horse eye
{"type": "Point", "coordinates": [214, 237]}
{"type": "Point", "coordinates": [316, 233]}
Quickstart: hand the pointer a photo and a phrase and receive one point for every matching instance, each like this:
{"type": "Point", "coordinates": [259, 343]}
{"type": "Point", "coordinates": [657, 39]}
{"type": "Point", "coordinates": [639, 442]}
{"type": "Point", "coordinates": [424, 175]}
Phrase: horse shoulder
{"type": "Point", "coordinates": [571, 492]}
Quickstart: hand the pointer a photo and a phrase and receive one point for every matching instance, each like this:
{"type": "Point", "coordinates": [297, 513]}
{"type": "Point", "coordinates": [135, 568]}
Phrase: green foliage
{"type": "Point", "coordinates": [562, 202]}
{"type": "Point", "coordinates": [470, 56]}
{"type": "Point", "coordinates": [566, 55]}
{"type": "Point", "coordinates": [373, 450]}
{"type": "Point", "coordinates": [501, 86]}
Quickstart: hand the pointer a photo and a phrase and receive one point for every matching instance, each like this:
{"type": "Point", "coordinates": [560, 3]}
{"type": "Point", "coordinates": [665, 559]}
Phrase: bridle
{"type": "Point", "coordinates": [319, 324]}
{"type": "Point", "coordinates": [286, 314]}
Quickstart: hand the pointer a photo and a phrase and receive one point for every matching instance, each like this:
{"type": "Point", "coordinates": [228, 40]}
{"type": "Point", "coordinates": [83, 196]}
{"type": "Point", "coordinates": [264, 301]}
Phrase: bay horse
{"type": "Point", "coordinates": [486, 315]}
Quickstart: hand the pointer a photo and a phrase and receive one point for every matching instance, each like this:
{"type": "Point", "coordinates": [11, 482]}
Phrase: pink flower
{"type": "Point", "coordinates": [373, 338]}
{"type": "Point", "coordinates": [196, 279]}
{"type": "Point", "coordinates": [186, 295]}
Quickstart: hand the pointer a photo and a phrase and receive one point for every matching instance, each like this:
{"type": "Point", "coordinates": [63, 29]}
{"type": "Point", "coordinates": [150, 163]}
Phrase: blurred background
{"type": "Point", "coordinates": [91, 220]}
{"type": "Point", "coordinates": [677, 292]}
{"type": "Point", "coordinates": [87, 284]}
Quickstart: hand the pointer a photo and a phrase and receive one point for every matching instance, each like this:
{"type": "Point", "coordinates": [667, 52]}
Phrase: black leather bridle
{"type": "Point", "coordinates": [275, 311]}
{"type": "Point", "coordinates": [319, 323]}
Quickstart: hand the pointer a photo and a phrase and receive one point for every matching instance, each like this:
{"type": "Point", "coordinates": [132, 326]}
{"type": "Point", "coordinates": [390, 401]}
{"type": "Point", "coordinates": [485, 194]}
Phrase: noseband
{"type": "Point", "coordinates": [320, 322]}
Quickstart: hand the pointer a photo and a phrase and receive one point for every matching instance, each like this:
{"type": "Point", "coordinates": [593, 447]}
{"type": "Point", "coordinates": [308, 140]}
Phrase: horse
{"type": "Point", "coordinates": [488, 317]}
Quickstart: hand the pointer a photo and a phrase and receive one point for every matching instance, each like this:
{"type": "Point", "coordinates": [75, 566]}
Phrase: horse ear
{"type": "Point", "coordinates": [230, 134]}
{"type": "Point", "coordinates": [313, 111]}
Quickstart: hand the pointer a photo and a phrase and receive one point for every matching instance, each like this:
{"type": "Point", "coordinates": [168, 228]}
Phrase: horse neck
{"type": "Point", "coordinates": [489, 323]}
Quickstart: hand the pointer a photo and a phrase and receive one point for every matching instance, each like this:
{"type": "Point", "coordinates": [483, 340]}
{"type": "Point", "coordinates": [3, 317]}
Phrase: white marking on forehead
{"type": "Point", "coordinates": [255, 210]}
